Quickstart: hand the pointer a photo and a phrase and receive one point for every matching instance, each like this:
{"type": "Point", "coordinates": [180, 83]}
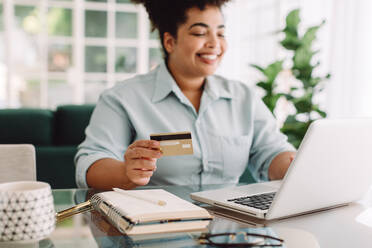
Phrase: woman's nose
{"type": "Point", "coordinates": [213, 41]}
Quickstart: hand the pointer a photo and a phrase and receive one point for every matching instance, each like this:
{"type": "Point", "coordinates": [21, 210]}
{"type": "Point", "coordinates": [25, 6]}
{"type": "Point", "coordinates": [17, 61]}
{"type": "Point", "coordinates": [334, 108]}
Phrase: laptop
{"type": "Point", "coordinates": [332, 167]}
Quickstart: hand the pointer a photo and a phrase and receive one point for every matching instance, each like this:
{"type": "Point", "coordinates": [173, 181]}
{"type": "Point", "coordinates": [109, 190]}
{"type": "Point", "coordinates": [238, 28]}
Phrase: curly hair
{"type": "Point", "coordinates": [168, 15]}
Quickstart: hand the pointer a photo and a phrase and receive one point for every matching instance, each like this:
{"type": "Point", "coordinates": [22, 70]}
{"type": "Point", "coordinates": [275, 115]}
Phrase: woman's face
{"type": "Point", "coordinates": [200, 43]}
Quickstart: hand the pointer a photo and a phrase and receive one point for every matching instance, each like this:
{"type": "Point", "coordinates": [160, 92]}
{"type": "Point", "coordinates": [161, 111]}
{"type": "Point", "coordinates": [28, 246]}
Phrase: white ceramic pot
{"type": "Point", "coordinates": [26, 211]}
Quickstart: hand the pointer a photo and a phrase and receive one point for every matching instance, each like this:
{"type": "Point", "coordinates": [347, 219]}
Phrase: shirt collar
{"type": "Point", "coordinates": [164, 83]}
{"type": "Point", "coordinates": [216, 87]}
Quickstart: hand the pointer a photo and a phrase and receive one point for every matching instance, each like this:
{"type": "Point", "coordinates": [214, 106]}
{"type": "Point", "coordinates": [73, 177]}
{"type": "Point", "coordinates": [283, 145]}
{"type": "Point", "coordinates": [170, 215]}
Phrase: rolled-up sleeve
{"type": "Point", "coordinates": [267, 143]}
{"type": "Point", "coordinates": [107, 136]}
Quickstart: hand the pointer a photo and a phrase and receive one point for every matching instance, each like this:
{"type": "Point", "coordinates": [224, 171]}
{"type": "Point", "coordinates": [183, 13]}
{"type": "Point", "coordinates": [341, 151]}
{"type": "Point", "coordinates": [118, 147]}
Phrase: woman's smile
{"type": "Point", "coordinates": [208, 58]}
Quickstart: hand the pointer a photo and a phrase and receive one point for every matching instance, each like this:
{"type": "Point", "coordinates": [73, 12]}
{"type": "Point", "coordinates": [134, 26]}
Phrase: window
{"type": "Point", "coordinates": [3, 91]}
{"type": "Point", "coordinates": [69, 51]}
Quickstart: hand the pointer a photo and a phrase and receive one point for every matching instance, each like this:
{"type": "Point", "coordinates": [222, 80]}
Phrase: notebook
{"type": "Point", "coordinates": [332, 168]}
{"type": "Point", "coordinates": [134, 216]}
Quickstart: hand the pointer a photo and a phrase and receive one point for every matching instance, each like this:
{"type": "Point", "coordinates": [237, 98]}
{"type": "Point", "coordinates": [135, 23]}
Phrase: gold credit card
{"type": "Point", "coordinates": [173, 144]}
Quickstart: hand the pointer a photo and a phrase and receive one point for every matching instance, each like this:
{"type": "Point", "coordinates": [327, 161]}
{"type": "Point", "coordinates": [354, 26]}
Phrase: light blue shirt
{"type": "Point", "coordinates": [232, 130]}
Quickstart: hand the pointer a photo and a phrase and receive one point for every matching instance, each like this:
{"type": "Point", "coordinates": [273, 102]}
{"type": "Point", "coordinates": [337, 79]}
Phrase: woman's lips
{"type": "Point", "coordinates": [208, 58]}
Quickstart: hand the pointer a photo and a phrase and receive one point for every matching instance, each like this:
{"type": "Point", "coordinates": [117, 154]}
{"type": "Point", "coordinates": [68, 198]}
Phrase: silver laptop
{"type": "Point", "coordinates": [333, 167]}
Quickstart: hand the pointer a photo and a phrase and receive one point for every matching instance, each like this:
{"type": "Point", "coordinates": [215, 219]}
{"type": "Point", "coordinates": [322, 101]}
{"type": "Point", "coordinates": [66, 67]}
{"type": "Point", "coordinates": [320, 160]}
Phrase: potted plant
{"type": "Point", "coordinates": [302, 66]}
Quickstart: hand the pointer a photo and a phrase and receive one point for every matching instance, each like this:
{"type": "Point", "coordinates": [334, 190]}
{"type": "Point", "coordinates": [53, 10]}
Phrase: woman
{"type": "Point", "coordinates": [231, 127]}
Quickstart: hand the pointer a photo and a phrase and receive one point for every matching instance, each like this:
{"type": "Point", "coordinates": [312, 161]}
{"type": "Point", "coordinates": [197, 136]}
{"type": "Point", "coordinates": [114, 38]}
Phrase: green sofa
{"type": "Point", "coordinates": [55, 135]}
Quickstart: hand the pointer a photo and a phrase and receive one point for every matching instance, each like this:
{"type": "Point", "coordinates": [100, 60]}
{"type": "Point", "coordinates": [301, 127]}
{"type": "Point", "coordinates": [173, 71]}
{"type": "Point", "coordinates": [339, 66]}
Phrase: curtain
{"type": "Point", "coordinates": [350, 89]}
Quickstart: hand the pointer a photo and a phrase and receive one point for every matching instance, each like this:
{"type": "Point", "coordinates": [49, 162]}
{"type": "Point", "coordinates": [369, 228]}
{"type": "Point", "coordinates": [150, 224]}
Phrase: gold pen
{"type": "Point", "coordinates": [80, 208]}
{"type": "Point", "coordinates": [143, 198]}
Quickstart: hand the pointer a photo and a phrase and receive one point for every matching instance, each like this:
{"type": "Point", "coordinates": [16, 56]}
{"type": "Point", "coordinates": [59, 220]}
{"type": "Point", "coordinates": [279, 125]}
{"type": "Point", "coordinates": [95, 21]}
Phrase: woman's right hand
{"type": "Point", "coordinates": [140, 161]}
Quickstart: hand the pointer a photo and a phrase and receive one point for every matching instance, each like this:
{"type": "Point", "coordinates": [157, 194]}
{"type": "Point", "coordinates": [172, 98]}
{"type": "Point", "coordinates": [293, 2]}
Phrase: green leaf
{"type": "Point", "coordinates": [272, 71]}
{"type": "Point", "coordinates": [289, 97]}
{"type": "Point", "coordinates": [258, 68]}
{"type": "Point", "coordinates": [270, 101]}
{"type": "Point", "coordinates": [309, 36]}
{"type": "Point", "coordinates": [302, 58]}
{"type": "Point", "coordinates": [315, 81]}
{"type": "Point", "coordinates": [292, 20]}
{"type": "Point", "coordinates": [274, 99]}
{"type": "Point", "coordinates": [267, 100]}
{"type": "Point", "coordinates": [321, 113]}
{"type": "Point", "coordinates": [304, 104]}
{"type": "Point", "coordinates": [296, 142]}
{"type": "Point", "coordinates": [291, 119]}
{"type": "Point", "coordinates": [295, 130]}
{"type": "Point", "coordinates": [305, 78]}
{"type": "Point", "coordinates": [291, 41]}
{"type": "Point", "coordinates": [264, 85]}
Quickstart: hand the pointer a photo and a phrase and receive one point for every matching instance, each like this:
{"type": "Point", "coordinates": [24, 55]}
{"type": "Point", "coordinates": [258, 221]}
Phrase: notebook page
{"type": "Point", "coordinates": [137, 209]}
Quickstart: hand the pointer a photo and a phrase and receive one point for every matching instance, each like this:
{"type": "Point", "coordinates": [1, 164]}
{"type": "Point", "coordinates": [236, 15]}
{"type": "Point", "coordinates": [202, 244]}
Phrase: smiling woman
{"type": "Point", "coordinates": [196, 51]}
{"type": "Point", "coordinates": [230, 127]}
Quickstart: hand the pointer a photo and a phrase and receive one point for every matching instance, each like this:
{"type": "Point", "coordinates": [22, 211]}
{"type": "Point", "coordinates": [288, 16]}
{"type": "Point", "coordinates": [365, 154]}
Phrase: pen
{"type": "Point", "coordinates": [148, 199]}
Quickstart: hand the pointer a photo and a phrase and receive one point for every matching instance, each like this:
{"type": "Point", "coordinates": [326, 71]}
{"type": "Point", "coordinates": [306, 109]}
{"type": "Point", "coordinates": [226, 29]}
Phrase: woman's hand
{"type": "Point", "coordinates": [140, 160]}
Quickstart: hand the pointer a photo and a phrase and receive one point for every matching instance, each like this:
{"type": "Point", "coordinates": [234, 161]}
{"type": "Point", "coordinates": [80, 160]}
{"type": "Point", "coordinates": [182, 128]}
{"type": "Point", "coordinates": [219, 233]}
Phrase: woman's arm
{"type": "Point", "coordinates": [136, 170]}
{"type": "Point", "coordinates": [108, 173]}
{"type": "Point", "coordinates": [280, 164]}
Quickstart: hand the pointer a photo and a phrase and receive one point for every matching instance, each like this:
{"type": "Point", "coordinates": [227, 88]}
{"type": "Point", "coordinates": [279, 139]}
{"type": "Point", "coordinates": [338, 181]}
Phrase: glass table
{"type": "Point", "coordinates": [348, 226]}
{"type": "Point", "coordinates": [92, 230]}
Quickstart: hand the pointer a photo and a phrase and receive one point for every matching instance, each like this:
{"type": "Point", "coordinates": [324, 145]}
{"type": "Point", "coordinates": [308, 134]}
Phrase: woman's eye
{"type": "Point", "coordinates": [198, 34]}
{"type": "Point", "coordinates": [221, 35]}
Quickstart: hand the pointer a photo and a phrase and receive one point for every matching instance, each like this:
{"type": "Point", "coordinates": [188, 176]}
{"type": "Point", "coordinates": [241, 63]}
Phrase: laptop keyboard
{"type": "Point", "coordinates": [261, 201]}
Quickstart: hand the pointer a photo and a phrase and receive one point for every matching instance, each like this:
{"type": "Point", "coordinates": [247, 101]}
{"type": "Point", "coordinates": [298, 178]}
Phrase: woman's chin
{"type": "Point", "coordinates": [207, 70]}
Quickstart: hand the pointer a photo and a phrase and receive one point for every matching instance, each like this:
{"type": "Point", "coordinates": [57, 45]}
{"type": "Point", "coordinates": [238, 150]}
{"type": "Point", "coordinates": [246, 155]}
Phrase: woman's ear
{"type": "Point", "coordinates": [168, 42]}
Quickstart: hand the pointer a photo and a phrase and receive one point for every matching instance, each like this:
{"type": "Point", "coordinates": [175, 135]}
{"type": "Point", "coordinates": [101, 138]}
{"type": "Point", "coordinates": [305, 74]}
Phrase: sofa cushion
{"type": "Point", "coordinates": [71, 121]}
{"type": "Point", "coordinates": [55, 165]}
{"type": "Point", "coordinates": [33, 126]}
{"type": "Point", "coordinates": [247, 177]}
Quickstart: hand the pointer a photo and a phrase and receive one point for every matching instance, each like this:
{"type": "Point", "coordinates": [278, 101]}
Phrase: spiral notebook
{"type": "Point", "coordinates": [134, 216]}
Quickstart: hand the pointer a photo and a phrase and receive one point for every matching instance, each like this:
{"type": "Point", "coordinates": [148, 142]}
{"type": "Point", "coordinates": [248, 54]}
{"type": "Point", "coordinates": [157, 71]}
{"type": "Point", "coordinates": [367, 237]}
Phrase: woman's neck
{"type": "Point", "coordinates": [187, 83]}
{"type": "Point", "coordinates": [191, 87]}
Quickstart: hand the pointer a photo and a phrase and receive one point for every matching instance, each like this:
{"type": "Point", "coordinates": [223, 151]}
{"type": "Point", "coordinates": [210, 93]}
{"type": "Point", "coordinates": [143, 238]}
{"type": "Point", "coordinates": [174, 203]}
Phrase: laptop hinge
{"type": "Point", "coordinates": [235, 209]}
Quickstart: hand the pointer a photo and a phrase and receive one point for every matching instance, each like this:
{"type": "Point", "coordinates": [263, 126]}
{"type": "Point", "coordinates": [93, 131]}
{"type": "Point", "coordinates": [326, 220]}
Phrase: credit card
{"type": "Point", "coordinates": [174, 144]}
